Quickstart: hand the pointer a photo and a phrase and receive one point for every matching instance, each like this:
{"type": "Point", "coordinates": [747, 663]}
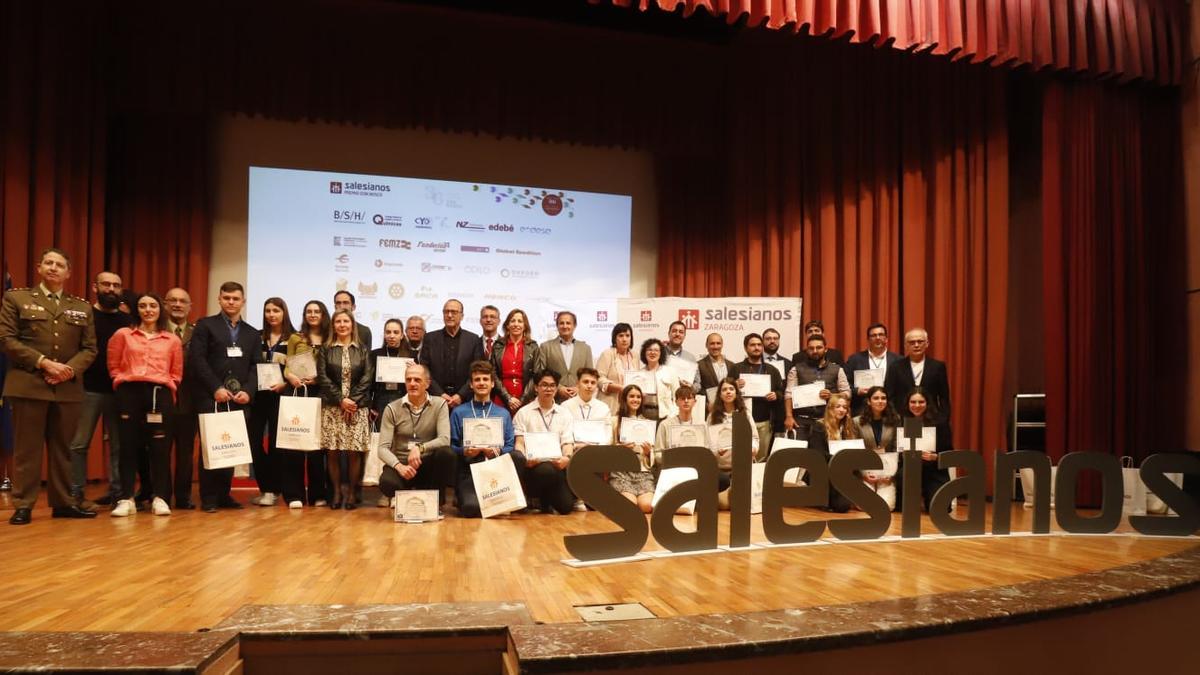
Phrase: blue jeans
{"type": "Point", "coordinates": [94, 405]}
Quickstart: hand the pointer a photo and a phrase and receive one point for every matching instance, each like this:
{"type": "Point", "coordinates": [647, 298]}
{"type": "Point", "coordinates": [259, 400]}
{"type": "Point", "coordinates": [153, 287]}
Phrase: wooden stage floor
{"type": "Point", "coordinates": [192, 569]}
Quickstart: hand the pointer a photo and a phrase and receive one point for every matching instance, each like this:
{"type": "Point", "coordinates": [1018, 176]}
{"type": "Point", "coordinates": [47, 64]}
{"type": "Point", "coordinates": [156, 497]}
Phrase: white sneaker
{"type": "Point", "coordinates": [124, 507]}
{"type": "Point", "coordinates": [383, 501]}
{"type": "Point", "coordinates": [579, 505]}
{"type": "Point", "coordinates": [159, 507]}
{"type": "Point", "coordinates": [320, 502]}
{"type": "Point", "coordinates": [267, 499]}
{"type": "Point", "coordinates": [295, 504]}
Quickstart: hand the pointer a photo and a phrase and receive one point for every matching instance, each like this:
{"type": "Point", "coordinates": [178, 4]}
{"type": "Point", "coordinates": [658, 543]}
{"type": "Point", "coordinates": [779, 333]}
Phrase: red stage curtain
{"type": "Point", "coordinates": [874, 186]}
{"type": "Point", "coordinates": [1112, 186]}
{"type": "Point", "coordinates": [1132, 39]}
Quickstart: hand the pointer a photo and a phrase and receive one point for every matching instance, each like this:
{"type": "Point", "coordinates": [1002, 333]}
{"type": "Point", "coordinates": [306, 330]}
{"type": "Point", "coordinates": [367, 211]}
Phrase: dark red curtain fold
{"type": "Point", "coordinates": [1130, 39]}
{"type": "Point", "coordinates": [1113, 270]}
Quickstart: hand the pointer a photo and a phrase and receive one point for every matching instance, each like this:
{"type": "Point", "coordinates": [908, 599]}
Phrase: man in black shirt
{"type": "Point", "coordinates": [98, 396]}
{"type": "Point", "coordinates": [760, 407]}
{"type": "Point", "coordinates": [448, 354]}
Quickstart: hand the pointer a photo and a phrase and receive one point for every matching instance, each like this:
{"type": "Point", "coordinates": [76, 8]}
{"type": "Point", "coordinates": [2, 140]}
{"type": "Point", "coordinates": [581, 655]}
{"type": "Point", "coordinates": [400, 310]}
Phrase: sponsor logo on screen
{"type": "Point", "coordinates": [341, 284]}
{"type": "Point", "coordinates": [500, 227]}
{"type": "Point", "coordinates": [602, 316]}
{"type": "Point", "coordinates": [434, 246]}
{"type": "Point", "coordinates": [396, 291]}
{"type": "Point", "coordinates": [511, 273]}
{"type": "Point", "coordinates": [335, 187]}
{"type": "Point", "coordinates": [431, 267]}
{"type": "Point", "coordinates": [499, 296]}
{"type": "Point", "coordinates": [552, 205]}
{"type": "Point", "coordinates": [475, 249]}
{"type": "Point", "coordinates": [360, 188]}
{"type": "Point", "coordinates": [426, 293]}
{"type": "Point", "coordinates": [477, 269]}
{"type": "Point", "coordinates": [468, 225]}
{"type": "Point", "coordinates": [368, 290]}
{"type": "Point", "coordinates": [387, 265]}
{"type": "Point", "coordinates": [647, 315]}
{"type": "Point", "coordinates": [387, 221]}
{"type": "Point", "coordinates": [395, 243]}
{"type": "Point", "coordinates": [690, 318]}
{"type": "Point", "coordinates": [517, 251]}
{"type": "Point", "coordinates": [348, 216]}
{"type": "Point", "coordinates": [743, 314]}
{"type": "Point", "coordinates": [529, 229]}
{"type": "Point", "coordinates": [350, 242]}
{"type": "Point", "coordinates": [423, 223]}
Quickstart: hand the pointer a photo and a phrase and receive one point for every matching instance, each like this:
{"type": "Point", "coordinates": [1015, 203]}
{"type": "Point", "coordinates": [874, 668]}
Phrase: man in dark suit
{"type": "Point", "coordinates": [919, 370]}
{"type": "Point", "coordinates": [345, 300]}
{"type": "Point", "coordinates": [50, 339]}
{"type": "Point", "coordinates": [875, 357]}
{"type": "Point", "coordinates": [714, 367]}
{"type": "Point", "coordinates": [222, 359]}
{"type": "Point", "coordinates": [771, 355]}
{"type": "Point", "coordinates": [555, 354]}
{"type": "Point", "coordinates": [183, 430]}
{"type": "Point", "coordinates": [448, 353]}
{"type": "Point", "coordinates": [817, 327]}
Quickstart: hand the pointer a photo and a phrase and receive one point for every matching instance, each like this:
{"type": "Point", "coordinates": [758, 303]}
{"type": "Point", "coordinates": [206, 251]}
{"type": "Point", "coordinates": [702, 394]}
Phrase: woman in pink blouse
{"type": "Point", "coordinates": [146, 364]}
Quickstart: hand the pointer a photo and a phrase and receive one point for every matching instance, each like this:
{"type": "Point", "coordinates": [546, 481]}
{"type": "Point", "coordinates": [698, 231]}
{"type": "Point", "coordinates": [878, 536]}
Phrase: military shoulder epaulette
{"type": "Point", "coordinates": [19, 289]}
{"type": "Point", "coordinates": [68, 296]}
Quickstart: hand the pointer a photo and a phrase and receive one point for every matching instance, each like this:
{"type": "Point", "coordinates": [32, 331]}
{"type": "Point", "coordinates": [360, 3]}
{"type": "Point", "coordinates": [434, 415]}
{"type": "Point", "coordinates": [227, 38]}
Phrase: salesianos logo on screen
{"type": "Point", "coordinates": [540, 249]}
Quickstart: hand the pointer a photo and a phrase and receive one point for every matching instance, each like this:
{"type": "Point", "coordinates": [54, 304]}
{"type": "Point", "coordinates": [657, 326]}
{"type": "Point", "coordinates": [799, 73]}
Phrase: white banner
{"type": "Point", "coordinates": [732, 318]}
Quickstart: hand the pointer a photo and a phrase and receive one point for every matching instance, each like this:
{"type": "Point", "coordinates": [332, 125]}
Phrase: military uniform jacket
{"type": "Point", "coordinates": [32, 327]}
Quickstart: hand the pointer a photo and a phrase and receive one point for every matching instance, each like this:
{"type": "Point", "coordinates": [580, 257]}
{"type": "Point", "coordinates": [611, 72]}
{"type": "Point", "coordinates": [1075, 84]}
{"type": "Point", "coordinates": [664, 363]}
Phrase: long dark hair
{"type": "Point", "coordinates": [324, 328]}
{"type": "Point", "coordinates": [889, 416]}
{"type": "Point", "coordinates": [623, 410]}
{"type": "Point", "coordinates": [285, 325]}
{"type": "Point", "coordinates": [718, 412]}
{"type": "Point", "coordinates": [161, 324]}
{"type": "Point", "coordinates": [932, 416]}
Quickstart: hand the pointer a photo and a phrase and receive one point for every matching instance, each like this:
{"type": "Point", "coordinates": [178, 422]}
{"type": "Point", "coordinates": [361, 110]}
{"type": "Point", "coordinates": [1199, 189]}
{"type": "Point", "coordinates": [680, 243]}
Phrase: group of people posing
{"type": "Point", "coordinates": [152, 372]}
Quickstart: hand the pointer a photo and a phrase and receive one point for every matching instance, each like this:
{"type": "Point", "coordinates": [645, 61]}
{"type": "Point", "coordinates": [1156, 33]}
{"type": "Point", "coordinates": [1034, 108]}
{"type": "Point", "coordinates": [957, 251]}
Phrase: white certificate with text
{"type": "Point", "coordinates": [592, 432]}
{"type": "Point", "coordinates": [808, 395]}
{"type": "Point", "coordinates": [869, 377]}
{"type": "Point", "coordinates": [926, 443]}
{"type": "Point", "coordinates": [644, 379]}
{"type": "Point", "coordinates": [755, 385]}
{"type": "Point", "coordinates": [391, 368]}
{"type": "Point", "coordinates": [687, 436]}
{"type": "Point", "coordinates": [483, 432]}
{"type": "Point", "coordinates": [542, 445]}
{"type": "Point", "coordinates": [634, 430]}
{"type": "Point", "coordinates": [853, 444]}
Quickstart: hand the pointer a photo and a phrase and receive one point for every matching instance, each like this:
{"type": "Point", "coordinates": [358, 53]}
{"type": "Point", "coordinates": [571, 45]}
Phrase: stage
{"type": "Point", "coordinates": [192, 570]}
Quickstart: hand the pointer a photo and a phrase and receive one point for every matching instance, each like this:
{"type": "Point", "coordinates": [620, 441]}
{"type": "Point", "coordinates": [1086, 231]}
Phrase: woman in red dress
{"type": "Point", "coordinates": [516, 357]}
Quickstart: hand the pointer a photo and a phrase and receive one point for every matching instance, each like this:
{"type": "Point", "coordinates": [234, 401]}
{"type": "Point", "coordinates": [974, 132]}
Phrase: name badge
{"type": "Point", "coordinates": [154, 418]}
{"type": "Point", "coordinates": [234, 352]}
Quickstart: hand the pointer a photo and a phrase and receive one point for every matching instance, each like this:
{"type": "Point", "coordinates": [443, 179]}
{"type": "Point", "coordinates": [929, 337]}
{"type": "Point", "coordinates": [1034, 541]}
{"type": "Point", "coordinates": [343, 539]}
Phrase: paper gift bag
{"type": "Point", "coordinates": [669, 478]}
{"type": "Point", "coordinates": [758, 471]}
{"type": "Point", "coordinates": [224, 442]}
{"type": "Point", "coordinates": [788, 440]}
{"type": "Point", "coordinates": [1135, 489]}
{"type": "Point", "coordinates": [299, 426]}
{"type": "Point", "coordinates": [497, 486]}
{"type": "Point", "coordinates": [374, 466]}
{"type": "Point", "coordinates": [1028, 488]}
{"type": "Point", "coordinates": [1153, 503]}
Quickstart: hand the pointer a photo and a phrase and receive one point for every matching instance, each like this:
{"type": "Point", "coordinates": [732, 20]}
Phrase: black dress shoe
{"type": "Point", "coordinates": [185, 506]}
{"type": "Point", "coordinates": [21, 517]}
{"type": "Point", "coordinates": [350, 506]}
{"type": "Point", "coordinates": [106, 500]}
{"type": "Point", "coordinates": [335, 505]}
{"type": "Point", "coordinates": [229, 503]}
{"type": "Point", "coordinates": [208, 508]}
{"type": "Point", "coordinates": [71, 511]}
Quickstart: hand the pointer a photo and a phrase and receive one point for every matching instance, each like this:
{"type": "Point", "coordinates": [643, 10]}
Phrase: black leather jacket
{"type": "Point", "coordinates": [329, 374]}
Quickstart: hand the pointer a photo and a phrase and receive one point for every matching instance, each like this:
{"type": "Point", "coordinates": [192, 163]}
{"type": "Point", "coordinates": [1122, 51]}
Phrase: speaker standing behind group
{"type": "Point", "coordinates": [146, 365]}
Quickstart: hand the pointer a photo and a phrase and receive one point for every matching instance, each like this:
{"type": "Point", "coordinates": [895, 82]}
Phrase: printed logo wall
{"type": "Point", "coordinates": [733, 318]}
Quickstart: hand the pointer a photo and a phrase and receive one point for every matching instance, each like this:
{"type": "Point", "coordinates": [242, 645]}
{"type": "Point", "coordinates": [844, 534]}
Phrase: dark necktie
{"type": "Point", "coordinates": [487, 350]}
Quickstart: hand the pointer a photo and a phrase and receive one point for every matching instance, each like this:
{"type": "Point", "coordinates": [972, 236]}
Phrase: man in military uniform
{"type": "Point", "coordinates": [179, 307]}
{"type": "Point", "coordinates": [50, 338]}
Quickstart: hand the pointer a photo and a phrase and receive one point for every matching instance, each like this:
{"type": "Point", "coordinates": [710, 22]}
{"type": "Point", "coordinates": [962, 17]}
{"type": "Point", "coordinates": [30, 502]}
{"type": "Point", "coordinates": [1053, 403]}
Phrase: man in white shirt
{"type": "Point", "coordinates": [546, 474]}
{"type": "Point", "coordinates": [565, 355]}
{"type": "Point", "coordinates": [676, 333]}
{"type": "Point", "coordinates": [584, 405]}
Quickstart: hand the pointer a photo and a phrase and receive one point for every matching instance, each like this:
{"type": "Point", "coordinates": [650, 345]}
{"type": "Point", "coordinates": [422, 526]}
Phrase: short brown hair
{"type": "Point", "coordinates": [482, 367]}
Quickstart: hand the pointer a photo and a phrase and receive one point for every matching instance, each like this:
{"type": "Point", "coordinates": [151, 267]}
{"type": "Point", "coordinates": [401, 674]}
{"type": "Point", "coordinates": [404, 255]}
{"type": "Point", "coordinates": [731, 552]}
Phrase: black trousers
{"type": "Point", "coordinates": [464, 486]}
{"type": "Point", "coordinates": [436, 472]}
{"type": "Point", "coordinates": [183, 433]}
{"type": "Point", "coordinates": [139, 436]}
{"type": "Point", "coordinates": [216, 483]}
{"type": "Point", "coordinates": [264, 419]}
{"type": "Point", "coordinates": [293, 465]}
{"type": "Point", "coordinates": [549, 484]}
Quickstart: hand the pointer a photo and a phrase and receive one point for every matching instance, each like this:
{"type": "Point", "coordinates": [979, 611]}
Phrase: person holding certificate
{"type": "Point", "coordinates": [810, 383]}
{"type": "Point", "coordinates": [146, 365]}
{"type": "Point", "coordinates": [916, 406]}
{"type": "Point", "coordinates": [836, 425]}
{"type": "Point", "coordinates": [685, 429]}
{"type": "Point", "coordinates": [877, 424]}
{"type": "Point", "coordinates": [635, 431]}
{"type": "Point", "coordinates": [543, 435]}
{"type": "Point", "coordinates": [868, 368]}
{"type": "Point", "coordinates": [479, 430]}
{"type": "Point", "coordinates": [516, 357]}
{"type": "Point", "coordinates": [414, 439]}
{"type": "Point", "coordinates": [344, 377]}
{"type": "Point", "coordinates": [264, 413]}
{"type": "Point", "coordinates": [391, 368]}
{"type": "Point", "coordinates": [758, 380]}
{"type": "Point", "coordinates": [720, 430]}
{"type": "Point", "coordinates": [657, 382]}
{"type": "Point", "coordinates": [301, 373]}
{"type": "Point", "coordinates": [614, 362]}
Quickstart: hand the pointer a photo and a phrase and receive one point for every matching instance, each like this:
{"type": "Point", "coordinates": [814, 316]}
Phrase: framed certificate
{"type": "Point", "coordinates": [684, 369]}
{"type": "Point", "coordinates": [890, 463]}
{"type": "Point", "coordinates": [416, 506]}
{"type": "Point", "coordinates": [542, 445]}
{"type": "Point", "coordinates": [688, 436]}
{"type": "Point", "coordinates": [756, 385]}
{"type": "Point", "coordinates": [483, 432]}
{"type": "Point", "coordinates": [269, 375]}
{"type": "Point", "coordinates": [808, 395]}
{"type": "Point", "coordinates": [644, 379]}
{"type": "Point", "coordinates": [869, 377]}
{"type": "Point", "coordinates": [721, 435]}
{"type": "Point", "coordinates": [926, 443]}
{"type": "Point", "coordinates": [391, 368]}
{"type": "Point", "coordinates": [635, 430]}
{"type": "Point", "coordinates": [303, 366]}
{"type": "Point", "coordinates": [837, 446]}
{"type": "Point", "coordinates": [592, 432]}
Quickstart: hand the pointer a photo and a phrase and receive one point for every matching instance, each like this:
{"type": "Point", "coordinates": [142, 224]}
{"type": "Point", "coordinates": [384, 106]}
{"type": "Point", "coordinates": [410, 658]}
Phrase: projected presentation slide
{"type": "Point", "coordinates": [403, 246]}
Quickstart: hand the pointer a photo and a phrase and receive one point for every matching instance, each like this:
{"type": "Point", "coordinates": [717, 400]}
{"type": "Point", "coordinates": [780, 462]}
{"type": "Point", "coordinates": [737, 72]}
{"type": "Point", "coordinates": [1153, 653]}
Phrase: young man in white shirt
{"type": "Point", "coordinates": [546, 475]}
{"type": "Point", "coordinates": [585, 405]}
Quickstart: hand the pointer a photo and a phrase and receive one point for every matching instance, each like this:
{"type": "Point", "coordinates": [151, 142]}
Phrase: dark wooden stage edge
{"type": "Point", "coordinates": [1123, 615]}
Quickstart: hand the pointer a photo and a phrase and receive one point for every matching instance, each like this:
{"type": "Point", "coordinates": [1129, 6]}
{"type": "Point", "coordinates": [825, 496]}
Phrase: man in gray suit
{"type": "Point", "coordinates": [565, 355]}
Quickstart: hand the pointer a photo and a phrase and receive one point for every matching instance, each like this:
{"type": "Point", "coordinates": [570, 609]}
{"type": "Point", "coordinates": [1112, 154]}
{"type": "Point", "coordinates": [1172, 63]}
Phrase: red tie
{"type": "Point", "coordinates": [488, 349]}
